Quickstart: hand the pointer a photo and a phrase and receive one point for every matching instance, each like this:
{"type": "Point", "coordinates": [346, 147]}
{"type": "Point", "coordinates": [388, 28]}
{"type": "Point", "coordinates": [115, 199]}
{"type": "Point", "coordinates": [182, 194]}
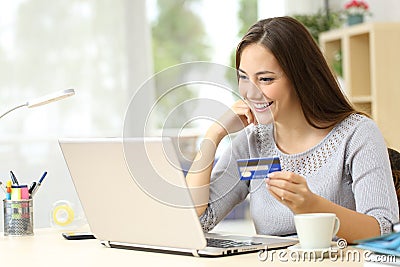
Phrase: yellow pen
{"type": "Point", "coordinates": [9, 190]}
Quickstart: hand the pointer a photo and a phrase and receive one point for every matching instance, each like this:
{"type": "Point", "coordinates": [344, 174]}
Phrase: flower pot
{"type": "Point", "coordinates": [355, 19]}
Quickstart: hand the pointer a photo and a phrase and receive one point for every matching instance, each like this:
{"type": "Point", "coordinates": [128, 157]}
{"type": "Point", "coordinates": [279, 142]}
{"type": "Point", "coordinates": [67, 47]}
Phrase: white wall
{"type": "Point", "coordinates": [273, 8]}
{"type": "Point", "coordinates": [387, 10]}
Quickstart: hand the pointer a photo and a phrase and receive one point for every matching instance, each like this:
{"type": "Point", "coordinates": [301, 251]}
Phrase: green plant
{"type": "Point", "coordinates": [320, 22]}
{"type": "Point", "coordinates": [337, 63]}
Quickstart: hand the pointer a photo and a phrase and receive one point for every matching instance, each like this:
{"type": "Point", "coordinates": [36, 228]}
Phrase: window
{"type": "Point", "coordinates": [96, 47]}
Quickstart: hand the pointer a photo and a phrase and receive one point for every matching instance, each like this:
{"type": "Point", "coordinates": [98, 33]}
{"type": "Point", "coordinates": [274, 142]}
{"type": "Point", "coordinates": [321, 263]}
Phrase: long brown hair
{"type": "Point", "coordinates": [322, 101]}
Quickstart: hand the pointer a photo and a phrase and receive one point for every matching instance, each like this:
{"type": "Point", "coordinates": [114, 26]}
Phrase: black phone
{"type": "Point", "coordinates": [78, 235]}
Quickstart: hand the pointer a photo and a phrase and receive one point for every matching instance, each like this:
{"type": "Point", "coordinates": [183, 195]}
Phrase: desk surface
{"type": "Point", "coordinates": [48, 248]}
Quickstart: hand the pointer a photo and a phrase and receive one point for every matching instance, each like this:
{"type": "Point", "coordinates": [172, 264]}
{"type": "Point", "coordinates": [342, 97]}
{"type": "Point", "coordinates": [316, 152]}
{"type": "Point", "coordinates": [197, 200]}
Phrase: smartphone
{"type": "Point", "coordinates": [78, 235]}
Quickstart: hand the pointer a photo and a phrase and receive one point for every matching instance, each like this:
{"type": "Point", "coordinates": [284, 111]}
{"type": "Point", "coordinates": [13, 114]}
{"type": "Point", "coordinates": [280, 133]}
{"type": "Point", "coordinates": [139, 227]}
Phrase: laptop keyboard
{"type": "Point", "coordinates": [227, 243]}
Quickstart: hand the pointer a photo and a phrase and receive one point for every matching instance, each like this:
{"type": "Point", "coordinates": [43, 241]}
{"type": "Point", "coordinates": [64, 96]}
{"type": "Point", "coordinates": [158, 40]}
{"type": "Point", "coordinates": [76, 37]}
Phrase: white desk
{"type": "Point", "coordinates": [48, 248]}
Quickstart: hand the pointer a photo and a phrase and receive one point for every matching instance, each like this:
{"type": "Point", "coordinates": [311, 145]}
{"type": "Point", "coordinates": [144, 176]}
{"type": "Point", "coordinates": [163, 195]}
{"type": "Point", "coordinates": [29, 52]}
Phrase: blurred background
{"type": "Point", "coordinates": [105, 49]}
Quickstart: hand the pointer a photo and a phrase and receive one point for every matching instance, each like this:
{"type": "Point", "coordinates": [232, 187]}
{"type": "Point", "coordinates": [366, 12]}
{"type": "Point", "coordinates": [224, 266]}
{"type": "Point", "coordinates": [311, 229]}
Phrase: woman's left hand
{"type": "Point", "coordinates": [292, 190]}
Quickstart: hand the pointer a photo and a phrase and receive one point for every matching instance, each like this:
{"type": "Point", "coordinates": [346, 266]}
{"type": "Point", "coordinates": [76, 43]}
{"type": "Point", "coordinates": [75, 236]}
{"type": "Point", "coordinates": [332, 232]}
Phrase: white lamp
{"type": "Point", "coordinates": [43, 100]}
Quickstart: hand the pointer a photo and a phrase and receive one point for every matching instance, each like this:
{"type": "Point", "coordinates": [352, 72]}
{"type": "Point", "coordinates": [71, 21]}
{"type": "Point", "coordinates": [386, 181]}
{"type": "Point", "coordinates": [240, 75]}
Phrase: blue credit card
{"type": "Point", "coordinates": [257, 168]}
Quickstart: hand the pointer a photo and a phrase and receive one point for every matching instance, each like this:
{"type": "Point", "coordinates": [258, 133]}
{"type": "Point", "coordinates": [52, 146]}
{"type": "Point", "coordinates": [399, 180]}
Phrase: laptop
{"type": "Point", "coordinates": [134, 196]}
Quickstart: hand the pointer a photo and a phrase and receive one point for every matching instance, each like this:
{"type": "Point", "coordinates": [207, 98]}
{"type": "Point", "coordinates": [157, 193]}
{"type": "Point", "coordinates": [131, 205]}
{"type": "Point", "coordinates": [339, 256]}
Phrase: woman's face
{"type": "Point", "coordinates": [263, 84]}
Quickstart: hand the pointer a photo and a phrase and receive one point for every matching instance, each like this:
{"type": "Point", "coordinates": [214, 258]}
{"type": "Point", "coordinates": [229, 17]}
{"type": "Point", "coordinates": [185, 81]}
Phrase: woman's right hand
{"type": "Point", "coordinates": [236, 118]}
{"type": "Point", "coordinates": [198, 177]}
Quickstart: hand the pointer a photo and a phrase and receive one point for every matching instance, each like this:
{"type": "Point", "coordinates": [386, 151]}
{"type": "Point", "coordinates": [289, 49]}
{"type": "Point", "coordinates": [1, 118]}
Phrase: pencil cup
{"type": "Point", "coordinates": [18, 217]}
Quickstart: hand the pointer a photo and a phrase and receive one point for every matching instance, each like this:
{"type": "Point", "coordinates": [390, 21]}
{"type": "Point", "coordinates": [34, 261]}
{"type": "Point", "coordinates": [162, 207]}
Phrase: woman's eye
{"type": "Point", "coordinates": [266, 80]}
{"type": "Point", "coordinates": [242, 77]}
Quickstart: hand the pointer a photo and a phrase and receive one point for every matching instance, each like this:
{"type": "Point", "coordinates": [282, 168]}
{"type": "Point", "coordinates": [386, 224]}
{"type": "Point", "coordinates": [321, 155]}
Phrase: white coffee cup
{"type": "Point", "coordinates": [316, 230]}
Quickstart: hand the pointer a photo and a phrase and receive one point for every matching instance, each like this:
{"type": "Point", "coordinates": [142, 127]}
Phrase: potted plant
{"type": "Point", "coordinates": [355, 11]}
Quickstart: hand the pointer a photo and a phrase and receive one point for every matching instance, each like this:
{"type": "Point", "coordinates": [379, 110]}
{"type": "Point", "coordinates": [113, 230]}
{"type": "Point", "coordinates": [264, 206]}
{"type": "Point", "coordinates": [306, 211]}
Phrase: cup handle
{"type": "Point", "coordinates": [336, 227]}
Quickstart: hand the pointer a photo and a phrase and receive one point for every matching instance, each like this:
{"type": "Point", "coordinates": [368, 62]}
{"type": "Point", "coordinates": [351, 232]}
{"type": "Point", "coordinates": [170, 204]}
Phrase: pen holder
{"type": "Point", "coordinates": [18, 217]}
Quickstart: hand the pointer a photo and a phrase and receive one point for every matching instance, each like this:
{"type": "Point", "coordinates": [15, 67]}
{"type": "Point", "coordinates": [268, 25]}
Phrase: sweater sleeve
{"type": "Point", "coordinates": [369, 167]}
{"type": "Point", "coordinates": [226, 188]}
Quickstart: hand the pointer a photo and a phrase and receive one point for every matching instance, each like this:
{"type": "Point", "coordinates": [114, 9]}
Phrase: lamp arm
{"type": "Point", "coordinates": [14, 108]}
{"type": "Point", "coordinates": [44, 100]}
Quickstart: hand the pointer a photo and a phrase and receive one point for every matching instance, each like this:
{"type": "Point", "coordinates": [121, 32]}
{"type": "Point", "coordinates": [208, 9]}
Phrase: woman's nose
{"type": "Point", "coordinates": [250, 91]}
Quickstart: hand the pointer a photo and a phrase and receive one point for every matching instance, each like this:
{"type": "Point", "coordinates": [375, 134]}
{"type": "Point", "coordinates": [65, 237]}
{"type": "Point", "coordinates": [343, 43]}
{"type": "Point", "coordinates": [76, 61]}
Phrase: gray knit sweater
{"type": "Point", "coordinates": [349, 167]}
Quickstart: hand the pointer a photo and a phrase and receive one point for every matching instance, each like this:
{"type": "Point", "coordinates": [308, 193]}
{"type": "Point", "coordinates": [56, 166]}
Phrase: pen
{"type": "Point", "coordinates": [13, 178]}
{"type": "Point", "coordinates": [41, 179]}
{"type": "Point", "coordinates": [35, 189]}
{"type": "Point", "coordinates": [32, 187]}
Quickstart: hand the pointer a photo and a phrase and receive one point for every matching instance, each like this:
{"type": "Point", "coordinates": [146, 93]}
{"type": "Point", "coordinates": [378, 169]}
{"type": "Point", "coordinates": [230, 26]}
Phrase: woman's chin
{"type": "Point", "coordinates": [264, 118]}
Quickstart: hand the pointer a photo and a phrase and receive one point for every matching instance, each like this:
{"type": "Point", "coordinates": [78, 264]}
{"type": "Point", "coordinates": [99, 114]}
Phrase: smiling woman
{"type": "Point", "coordinates": [293, 108]}
{"type": "Point", "coordinates": [261, 82]}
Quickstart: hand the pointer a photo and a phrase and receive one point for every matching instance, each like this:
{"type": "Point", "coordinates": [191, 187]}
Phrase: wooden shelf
{"type": "Point", "coordinates": [361, 99]}
{"type": "Point", "coordinates": [371, 70]}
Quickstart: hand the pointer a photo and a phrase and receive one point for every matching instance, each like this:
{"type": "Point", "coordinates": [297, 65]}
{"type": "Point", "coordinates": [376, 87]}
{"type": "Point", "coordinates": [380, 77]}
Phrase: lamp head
{"type": "Point", "coordinates": [50, 98]}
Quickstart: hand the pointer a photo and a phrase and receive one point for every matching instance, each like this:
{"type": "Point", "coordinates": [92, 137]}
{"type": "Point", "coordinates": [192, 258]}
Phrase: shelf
{"type": "Point", "coordinates": [364, 107]}
{"type": "Point", "coordinates": [361, 99]}
{"type": "Point", "coordinates": [363, 103]}
{"type": "Point", "coordinates": [371, 68]}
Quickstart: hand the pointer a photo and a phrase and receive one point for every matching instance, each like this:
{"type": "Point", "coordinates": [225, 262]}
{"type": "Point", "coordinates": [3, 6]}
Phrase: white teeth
{"type": "Point", "coordinates": [262, 105]}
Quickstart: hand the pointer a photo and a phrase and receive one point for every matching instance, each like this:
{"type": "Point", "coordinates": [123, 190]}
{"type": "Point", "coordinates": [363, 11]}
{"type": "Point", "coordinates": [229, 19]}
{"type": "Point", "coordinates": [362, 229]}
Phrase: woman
{"type": "Point", "coordinates": [333, 158]}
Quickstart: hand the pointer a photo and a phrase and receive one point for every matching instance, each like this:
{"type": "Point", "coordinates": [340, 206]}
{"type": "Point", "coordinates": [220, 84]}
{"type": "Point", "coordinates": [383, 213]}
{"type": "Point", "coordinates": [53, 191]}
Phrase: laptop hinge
{"type": "Point", "coordinates": [105, 243]}
{"type": "Point", "coordinates": [195, 253]}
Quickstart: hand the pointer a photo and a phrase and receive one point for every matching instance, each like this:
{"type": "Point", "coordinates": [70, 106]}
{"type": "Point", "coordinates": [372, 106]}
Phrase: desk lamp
{"type": "Point", "coordinates": [43, 100]}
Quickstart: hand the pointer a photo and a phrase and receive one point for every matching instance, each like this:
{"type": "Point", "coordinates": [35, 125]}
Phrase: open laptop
{"type": "Point", "coordinates": [134, 196]}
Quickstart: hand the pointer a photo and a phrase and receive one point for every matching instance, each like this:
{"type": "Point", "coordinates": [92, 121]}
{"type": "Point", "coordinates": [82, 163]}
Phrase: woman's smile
{"type": "Point", "coordinates": [261, 106]}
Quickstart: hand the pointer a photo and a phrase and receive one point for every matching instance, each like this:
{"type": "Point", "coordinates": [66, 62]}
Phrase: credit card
{"type": "Point", "coordinates": [257, 168]}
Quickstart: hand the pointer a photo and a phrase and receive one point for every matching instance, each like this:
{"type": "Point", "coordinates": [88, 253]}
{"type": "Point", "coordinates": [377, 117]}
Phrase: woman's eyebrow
{"type": "Point", "coordinates": [258, 73]}
{"type": "Point", "coordinates": [265, 72]}
{"type": "Point", "coordinates": [240, 70]}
